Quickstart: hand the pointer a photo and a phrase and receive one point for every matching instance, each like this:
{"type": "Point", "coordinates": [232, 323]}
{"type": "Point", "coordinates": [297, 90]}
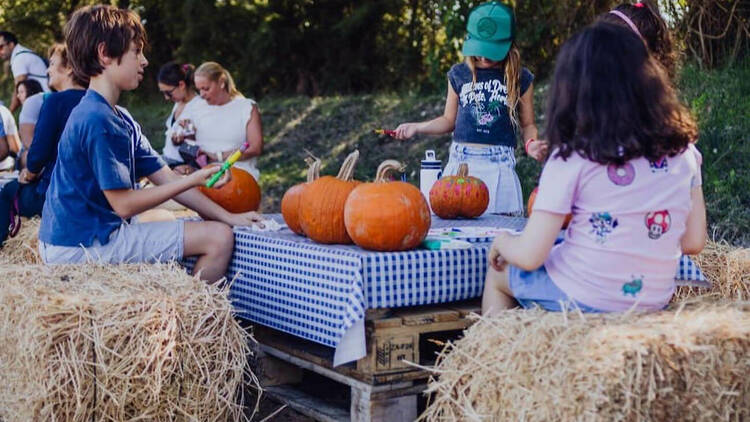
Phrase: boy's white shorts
{"type": "Point", "coordinates": [131, 243]}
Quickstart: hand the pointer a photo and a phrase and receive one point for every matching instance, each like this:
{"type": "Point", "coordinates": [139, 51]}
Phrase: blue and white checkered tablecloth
{"type": "Point", "coordinates": [320, 292]}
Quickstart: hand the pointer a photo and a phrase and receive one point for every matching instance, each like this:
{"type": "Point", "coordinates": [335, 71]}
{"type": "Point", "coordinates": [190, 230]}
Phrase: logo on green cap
{"type": "Point", "coordinates": [486, 27]}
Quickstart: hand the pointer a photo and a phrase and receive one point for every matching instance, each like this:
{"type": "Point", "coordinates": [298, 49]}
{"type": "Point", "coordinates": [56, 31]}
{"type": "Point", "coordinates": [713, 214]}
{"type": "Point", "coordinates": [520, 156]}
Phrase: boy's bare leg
{"type": "Point", "coordinates": [497, 295]}
{"type": "Point", "coordinates": [213, 243]}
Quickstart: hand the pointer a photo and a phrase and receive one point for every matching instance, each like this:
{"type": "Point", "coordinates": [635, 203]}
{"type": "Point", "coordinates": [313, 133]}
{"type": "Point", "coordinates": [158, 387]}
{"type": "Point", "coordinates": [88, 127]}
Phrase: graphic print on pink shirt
{"type": "Point", "coordinates": [602, 224]}
{"type": "Point", "coordinates": [633, 287]}
{"type": "Point", "coordinates": [659, 166]}
{"type": "Point", "coordinates": [621, 175]}
{"type": "Point", "coordinates": [658, 223]}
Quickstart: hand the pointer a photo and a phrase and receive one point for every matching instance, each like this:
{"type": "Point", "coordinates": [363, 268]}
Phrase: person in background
{"type": "Point", "coordinates": [31, 96]}
{"type": "Point", "coordinates": [27, 195]}
{"type": "Point", "coordinates": [229, 121]}
{"type": "Point", "coordinates": [176, 84]}
{"type": "Point", "coordinates": [12, 141]}
{"type": "Point", "coordinates": [489, 101]}
{"type": "Point", "coordinates": [644, 19]}
{"type": "Point", "coordinates": [624, 163]}
{"type": "Point", "coordinates": [24, 63]}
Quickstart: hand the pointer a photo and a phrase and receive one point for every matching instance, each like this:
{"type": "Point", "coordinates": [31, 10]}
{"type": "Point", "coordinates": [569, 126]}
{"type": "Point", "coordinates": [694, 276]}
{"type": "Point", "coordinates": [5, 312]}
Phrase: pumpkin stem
{"type": "Point", "coordinates": [347, 169]}
{"type": "Point", "coordinates": [463, 170]}
{"type": "Point", "coordinates": [313, 169]}
{"type": "Point", "coordinates": [385, 167]}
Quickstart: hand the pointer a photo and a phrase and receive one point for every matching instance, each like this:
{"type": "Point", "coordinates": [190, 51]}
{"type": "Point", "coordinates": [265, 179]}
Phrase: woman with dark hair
{"type": "Point", "coordinates": [624, 163]}
{"type": "Point", "coordinates": [26, 196]}
{"type": "Point", "coordinates": [176, 85]}
{"type": "Point", "coordinates": [31, 96]}
{"type": "Point", "coordinates": [644, 19]}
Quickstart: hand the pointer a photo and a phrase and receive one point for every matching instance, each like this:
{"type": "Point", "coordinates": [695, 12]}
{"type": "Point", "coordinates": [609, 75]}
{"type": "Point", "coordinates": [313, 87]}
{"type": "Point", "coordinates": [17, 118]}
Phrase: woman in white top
{"type": "Point", "coordinates": [229, 121]}
{"type": "Point", "coordinates": [176, 84]}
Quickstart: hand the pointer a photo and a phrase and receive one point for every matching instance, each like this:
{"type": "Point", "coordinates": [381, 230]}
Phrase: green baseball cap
{"type": "Point", "coordinates": [491, 29]}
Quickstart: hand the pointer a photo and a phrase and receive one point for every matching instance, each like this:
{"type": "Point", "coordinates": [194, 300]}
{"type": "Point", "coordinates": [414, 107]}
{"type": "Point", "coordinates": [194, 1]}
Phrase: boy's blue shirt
{"type": "Point", "coordinates": [100, 149]}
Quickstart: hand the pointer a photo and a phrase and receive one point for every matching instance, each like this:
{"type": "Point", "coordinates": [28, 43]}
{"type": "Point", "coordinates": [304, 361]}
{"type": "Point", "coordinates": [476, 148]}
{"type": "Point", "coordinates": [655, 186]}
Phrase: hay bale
{"type": "Point", "coordinates": [146, 342]}
{"type": "Point", "coordinates": [728, 270]}
{"type": "Point", "coordinates": [690, 363]}
{"type": "Point", "coordinates": [23, 249]}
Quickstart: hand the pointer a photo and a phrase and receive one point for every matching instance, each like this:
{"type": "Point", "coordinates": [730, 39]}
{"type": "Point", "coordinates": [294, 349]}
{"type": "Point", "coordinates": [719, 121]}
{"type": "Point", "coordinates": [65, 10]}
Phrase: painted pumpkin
{"type": "Point", "coordinates": [459, 196]}
{"type": "Point", "coordinates": [241, 194]}
{"type": "Point", "coordinates": [385, 215]}
{"type": "Point", "coordinates": [321, 210]}
{"type": "Point", "coordinates": [290, 201]}
{"type": "Point", "coordinates": [530, 205]}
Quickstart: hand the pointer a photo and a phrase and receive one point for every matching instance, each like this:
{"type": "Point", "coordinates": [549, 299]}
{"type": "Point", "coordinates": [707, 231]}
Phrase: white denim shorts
{"type": "Point", "coordinates": [495, 165]}
{"type": "Point", "coordinates": [131, 243]}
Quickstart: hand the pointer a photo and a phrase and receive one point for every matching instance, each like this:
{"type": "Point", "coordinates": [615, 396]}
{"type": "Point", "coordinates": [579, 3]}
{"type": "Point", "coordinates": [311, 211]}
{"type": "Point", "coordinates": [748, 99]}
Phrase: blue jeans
{"type": "Point", "coordinates": [536, 288]}
{"type": "Point", "coordinates": [30, 203]}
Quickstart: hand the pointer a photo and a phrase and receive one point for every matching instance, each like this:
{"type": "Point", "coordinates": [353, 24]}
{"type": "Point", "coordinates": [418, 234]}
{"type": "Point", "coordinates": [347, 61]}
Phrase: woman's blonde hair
{"type": "Point", "coordinates": [216, 73]}
{"type": "Point", "coordinates": [512, 67]}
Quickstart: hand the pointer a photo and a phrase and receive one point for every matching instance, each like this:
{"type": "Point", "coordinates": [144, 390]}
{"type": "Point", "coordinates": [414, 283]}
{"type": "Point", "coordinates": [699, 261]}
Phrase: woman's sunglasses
{"type": "Point", "coordinates": [168, 93]}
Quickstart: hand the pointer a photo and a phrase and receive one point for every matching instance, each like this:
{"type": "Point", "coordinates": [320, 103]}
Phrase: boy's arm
{"type": "Point", "coordinates": [530, 249]}
{"type": "Point", "coordinates": [200, 203]}
{"type": "Point", "coordinates": [129, 202]}
{"type": "Point", "coordinates": [694, 239]}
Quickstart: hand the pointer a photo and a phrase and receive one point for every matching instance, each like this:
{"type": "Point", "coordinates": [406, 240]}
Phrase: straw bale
{"type": "Point", "coordinates": [690, 363]}
{"type": "Point", "coordinates": [728, 270]}
{"type": "Point", "coordinates": [115, 343]}
{"type": "Point", "coordinates": [22, 249]}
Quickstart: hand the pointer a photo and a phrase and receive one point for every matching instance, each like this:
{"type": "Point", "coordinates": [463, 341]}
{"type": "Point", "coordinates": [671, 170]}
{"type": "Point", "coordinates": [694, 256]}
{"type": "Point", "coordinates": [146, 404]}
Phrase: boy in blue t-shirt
{"type": "Point", "coordinates": [102, 153]}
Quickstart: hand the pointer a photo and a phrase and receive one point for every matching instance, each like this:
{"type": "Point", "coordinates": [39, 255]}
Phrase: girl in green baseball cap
{"type": "Point", "coordinates": [489, 101]}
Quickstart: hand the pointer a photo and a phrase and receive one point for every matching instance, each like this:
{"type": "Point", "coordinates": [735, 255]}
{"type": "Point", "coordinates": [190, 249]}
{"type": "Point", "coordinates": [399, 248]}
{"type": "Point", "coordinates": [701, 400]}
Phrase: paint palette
{"type": "Point", "coordinates": [471, 234]}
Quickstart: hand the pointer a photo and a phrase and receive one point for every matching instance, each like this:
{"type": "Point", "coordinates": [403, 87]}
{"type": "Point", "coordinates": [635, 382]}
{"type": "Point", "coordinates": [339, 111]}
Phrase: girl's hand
{"type": "Point", "coordinates": [495, 258]}
{"type": "Point", "coordinates": [178, 138]}
{"type": "Point", "coordinates": [200, 177]}
{"type": "Point", "coordinates": [405, 131]}
{"type": "Point", "coordinates": [26, 176]}
{"type": "Point", "coordinates": [537, 149]}
{"type": "Point", "coordinates": [245, 219]}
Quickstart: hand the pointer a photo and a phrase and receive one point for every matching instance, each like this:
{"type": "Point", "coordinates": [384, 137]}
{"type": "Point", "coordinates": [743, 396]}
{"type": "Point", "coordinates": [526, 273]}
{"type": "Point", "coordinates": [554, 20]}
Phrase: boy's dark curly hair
{"type": "Point", "coordinates": [611, 102]}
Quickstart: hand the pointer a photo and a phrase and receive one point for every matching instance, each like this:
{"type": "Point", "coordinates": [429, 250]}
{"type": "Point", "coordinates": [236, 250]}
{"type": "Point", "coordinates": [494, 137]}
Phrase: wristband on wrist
{"type": "Point", "coordinates": [526, 145]}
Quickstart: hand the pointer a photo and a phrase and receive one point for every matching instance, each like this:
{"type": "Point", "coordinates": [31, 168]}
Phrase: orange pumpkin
{"type": "Point", "coordinates": [321, 208]}
{"type": "Point", "coordinates": [387, 216]}
{"type": "Point", "coordinates": [290, 201]}
{"type": "Point", "coordinates": [241, 194]}
{"type": "Point", "coordinates": [530, 205]}
{"type": "Point", "coordinates": [459, 196]}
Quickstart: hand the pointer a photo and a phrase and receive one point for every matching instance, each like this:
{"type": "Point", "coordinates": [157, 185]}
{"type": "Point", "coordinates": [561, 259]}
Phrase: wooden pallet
{"type": "Point", "coordinates": [383, 385]}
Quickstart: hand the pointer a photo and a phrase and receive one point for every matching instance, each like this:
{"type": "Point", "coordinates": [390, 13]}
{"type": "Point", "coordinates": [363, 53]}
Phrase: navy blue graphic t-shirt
{"type": "Point", "coordinates": [483, 116]}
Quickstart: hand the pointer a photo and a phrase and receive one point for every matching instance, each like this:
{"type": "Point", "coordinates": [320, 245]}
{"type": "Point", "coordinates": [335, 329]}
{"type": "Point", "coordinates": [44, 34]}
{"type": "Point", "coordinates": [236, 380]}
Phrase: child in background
{"type": "Point", "coordinates": [490, 97]}
{"type": "Point", "coordinates": [644, 19]}
{"type": "Point", "coordinates": [623, 163]}
{"type": "Point", "coordinates": [102, 153]}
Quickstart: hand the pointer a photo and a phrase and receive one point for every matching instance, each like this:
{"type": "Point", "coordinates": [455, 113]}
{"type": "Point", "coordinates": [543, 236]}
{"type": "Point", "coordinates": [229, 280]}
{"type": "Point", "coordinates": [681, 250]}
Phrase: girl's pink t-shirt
{"type": "Point", "coordinates": [622, 246]}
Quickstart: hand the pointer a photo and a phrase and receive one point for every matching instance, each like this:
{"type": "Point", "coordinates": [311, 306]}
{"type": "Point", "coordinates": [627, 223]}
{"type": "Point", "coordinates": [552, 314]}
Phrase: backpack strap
{"type": "Point", "coordinates": [46, 63]}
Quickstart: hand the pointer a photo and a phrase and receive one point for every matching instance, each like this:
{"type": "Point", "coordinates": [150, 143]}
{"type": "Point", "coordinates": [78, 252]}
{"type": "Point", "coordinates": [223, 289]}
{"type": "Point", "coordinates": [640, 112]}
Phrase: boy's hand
{"type": "Point", "coordinates": [494, 257]}
{"type": "Point", "coordinates": [27, 177]}
{"type": "Point", "coordinates": [405, 131]}
{"type": "Point", "coordinates": [537, 149]}
{"type": "Point", "coordinates": [200, 177]}
{"type": "Point", "coordinates": [245, 219]}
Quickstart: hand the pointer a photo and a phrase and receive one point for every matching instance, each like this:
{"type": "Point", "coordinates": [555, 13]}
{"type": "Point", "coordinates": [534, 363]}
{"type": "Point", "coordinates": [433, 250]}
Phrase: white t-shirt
{"type": "Point", "coordinates": [31, 108]}
{"type": "Point", "coordinates": [25, 62]}
{"type": "Point", "coordinates": [170, 150]}
{"type": "Point", "coordinates": [8, 121]}
{"type": "Point", "coordinates": [224, 127]}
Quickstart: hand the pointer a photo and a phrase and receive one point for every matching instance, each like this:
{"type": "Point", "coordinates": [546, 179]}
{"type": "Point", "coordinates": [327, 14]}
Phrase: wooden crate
{"type": "Point", "coordinates": [383, 385]}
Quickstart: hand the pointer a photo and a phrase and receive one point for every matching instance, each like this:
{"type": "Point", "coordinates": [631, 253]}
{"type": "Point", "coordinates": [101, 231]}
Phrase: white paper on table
{"type": "Point", "coordinates": [352, 344]}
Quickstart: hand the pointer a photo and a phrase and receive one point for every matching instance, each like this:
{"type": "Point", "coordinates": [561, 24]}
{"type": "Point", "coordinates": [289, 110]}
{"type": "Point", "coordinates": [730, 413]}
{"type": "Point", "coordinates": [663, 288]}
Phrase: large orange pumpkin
{"type": "Point", "coordinates": [241, 194]}
{"type": "Point", "coordinates": [387, 216]}
{"type": "Point", "coordinates": [459, 196]}
{"type": "Point", "coordinates": [321, 208]}
{"type": "Point", "coordinates": [290, 201]}
{"type": "Point", "coordinates": [530, 205]}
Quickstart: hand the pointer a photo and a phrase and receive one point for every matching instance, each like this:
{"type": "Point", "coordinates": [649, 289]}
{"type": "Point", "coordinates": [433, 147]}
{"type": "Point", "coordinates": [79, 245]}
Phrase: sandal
{"type": "Point", "coordinates": [15, 218]}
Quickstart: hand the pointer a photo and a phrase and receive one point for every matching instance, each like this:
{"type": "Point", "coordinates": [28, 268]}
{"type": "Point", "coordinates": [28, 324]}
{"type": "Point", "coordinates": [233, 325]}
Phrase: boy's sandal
{"type": "Point", "coordinates": [15, 218]}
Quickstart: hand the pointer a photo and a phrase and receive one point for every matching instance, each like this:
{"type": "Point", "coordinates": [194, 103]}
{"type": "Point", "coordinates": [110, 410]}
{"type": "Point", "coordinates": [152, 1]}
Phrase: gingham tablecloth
{"type": "Point", "coordinates": [320, 292]}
